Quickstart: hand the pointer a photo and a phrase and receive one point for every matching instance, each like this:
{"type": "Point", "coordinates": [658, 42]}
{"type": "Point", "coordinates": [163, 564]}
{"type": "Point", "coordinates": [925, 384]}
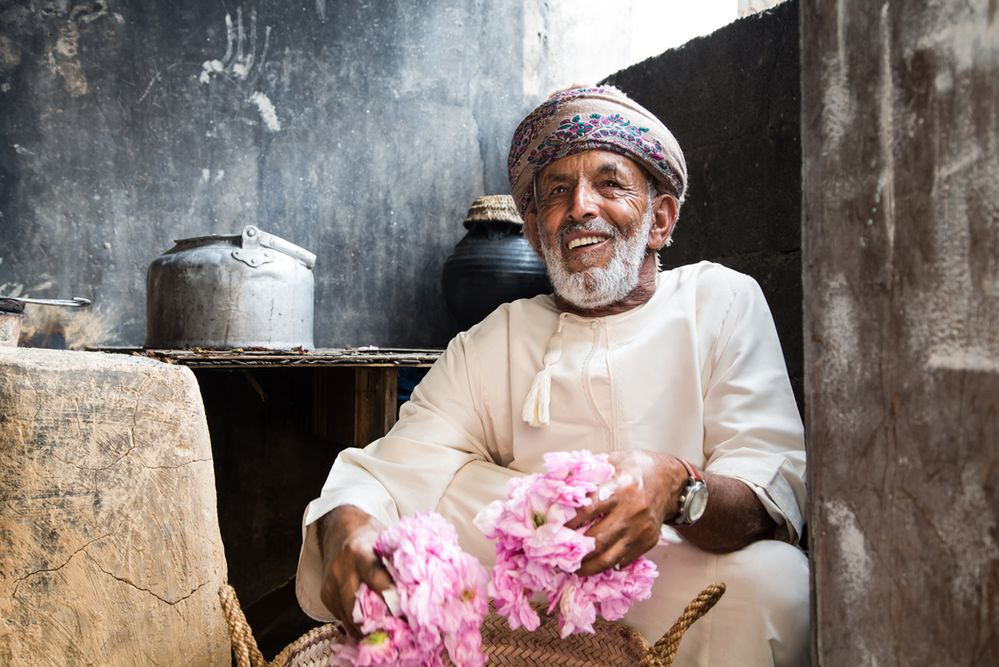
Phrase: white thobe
{"type": "Point", "coordinates": [695, 372]}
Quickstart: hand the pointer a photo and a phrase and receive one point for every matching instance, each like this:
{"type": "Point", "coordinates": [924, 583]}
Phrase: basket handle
{"type": "Point", "coordinates": [244, 646]}
{"type": "Point", "coordinates": [664, 651]}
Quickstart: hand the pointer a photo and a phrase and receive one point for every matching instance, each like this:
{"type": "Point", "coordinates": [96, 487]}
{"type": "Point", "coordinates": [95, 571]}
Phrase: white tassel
{"type": "Point", "coordinates": [537, 405]}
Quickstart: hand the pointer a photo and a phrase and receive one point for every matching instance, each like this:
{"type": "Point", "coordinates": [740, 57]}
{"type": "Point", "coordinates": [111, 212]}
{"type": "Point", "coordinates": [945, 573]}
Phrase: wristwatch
{"type": "Point", "coordinates": [694, 499]}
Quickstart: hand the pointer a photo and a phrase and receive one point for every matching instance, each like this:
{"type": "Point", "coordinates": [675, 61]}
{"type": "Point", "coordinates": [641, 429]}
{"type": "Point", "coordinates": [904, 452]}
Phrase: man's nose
{"type": "Point", "coordinates": [583, 205]}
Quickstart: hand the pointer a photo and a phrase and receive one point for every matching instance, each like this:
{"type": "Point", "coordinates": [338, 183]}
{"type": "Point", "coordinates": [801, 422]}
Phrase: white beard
{"type": "Point", "coordinates": [596, 287]}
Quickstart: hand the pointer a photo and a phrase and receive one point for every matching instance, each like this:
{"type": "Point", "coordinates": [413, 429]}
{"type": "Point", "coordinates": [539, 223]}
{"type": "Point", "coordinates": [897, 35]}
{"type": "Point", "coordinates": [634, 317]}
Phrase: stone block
{"type": "Point", "coordinates": [111, 548]}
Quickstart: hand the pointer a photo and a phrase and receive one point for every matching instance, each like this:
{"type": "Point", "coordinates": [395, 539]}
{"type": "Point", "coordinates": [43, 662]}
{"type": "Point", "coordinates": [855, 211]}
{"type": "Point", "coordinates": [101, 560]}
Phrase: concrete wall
{"type": "Point", "coordinates": [359, 130]}
{"type": "Point", "coordinates": [900, 138]}
{"type": "Point", "coordinates": [732, 100]}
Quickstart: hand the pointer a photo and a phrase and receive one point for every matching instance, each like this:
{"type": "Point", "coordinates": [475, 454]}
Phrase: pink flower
{"type": "Point", "coordinates": [555, 546]}
{"type": "Point", "coordinates": [442, 601]}
{"type": "Point", "coordinates": [537, 553]}
{"type": "Point", "coordinates": [509, 592]}
{"type": "Point", "coordinates": [576, 607]}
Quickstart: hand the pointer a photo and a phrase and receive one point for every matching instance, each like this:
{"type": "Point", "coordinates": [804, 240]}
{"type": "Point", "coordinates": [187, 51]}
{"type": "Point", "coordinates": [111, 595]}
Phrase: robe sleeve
{"type": "Point", "coordinates": [752, 428]}
{"type": "Point", "coordinates": [440, 430]}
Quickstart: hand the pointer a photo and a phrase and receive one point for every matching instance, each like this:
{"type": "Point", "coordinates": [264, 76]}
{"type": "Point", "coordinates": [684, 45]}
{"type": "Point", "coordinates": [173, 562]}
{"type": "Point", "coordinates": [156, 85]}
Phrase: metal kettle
{"type": "Point", "coordinates": [251, 290]}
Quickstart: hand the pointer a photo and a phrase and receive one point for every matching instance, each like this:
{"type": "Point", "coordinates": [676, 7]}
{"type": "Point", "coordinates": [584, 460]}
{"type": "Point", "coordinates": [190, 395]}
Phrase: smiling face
{"type": "Point", "coordinates": [595, 221]}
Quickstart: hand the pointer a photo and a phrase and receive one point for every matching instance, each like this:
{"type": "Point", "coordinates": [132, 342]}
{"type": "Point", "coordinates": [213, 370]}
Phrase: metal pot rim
{"type": "Point", "coordinates": [232, 238]}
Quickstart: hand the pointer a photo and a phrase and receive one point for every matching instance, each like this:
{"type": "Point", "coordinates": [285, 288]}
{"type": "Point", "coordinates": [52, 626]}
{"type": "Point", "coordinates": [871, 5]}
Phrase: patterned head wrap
{"type": "Point", "coordinates": [579, 119]}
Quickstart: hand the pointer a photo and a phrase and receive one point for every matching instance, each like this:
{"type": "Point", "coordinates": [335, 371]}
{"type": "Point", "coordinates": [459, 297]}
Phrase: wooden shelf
{"type": "Point", "coordinates": [259, 358]}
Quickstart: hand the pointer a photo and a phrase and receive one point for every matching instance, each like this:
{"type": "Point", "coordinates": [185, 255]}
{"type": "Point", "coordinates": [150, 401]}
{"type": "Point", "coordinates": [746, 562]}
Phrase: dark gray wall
{"type": "Point", "coordinates": [389, 118]}
{"type": "Point", "coordinates": [900, 134]}
{"type": "Point", "coordinates": [732, 99]}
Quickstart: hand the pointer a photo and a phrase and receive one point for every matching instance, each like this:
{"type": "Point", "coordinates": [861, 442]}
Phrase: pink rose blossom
{"type": "Point", "coordinates": [555, 546]}
{"type": "Point", "coordinates": [442, 601]}
{"type": "Point", "coordinates": [536, 553]}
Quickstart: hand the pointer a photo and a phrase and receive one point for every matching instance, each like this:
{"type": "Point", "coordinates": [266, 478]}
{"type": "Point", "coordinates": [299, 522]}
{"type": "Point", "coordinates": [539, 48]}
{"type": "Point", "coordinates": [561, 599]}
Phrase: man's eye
{"type": "Point", "coordinates": [611, 184]}
{"type": "Point", "coordinates": [557, 190]}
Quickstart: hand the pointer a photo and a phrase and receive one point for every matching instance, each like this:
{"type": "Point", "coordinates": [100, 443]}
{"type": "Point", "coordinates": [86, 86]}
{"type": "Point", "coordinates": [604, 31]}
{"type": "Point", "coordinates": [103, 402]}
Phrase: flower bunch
{"type": "Point", "coordinates": [537, 553]}
{"type": "Point", "coordinates": [438, 603]}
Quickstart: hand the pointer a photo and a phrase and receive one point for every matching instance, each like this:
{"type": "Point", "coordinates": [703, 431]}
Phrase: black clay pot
{"type": "Point", "coordinates": [493, 264]}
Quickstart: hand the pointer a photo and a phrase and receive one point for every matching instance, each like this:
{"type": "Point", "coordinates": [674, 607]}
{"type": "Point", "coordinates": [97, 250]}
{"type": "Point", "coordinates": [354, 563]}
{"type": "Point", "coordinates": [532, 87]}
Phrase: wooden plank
{"type": "Point", "coordinates": [377, 391]}
{"type": "Point", "coordinates": [322, 357]}
{"type": "Point", "coordinates": [334, 404]}
{"type": "Point", "coordinates": [354, 406]}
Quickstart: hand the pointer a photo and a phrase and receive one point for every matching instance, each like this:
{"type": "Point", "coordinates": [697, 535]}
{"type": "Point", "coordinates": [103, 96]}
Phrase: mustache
{"type": "Point", "coordinates": [595, 225]}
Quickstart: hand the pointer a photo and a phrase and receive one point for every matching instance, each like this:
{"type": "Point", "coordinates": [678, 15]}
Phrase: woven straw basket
{"type": "Point", "coordinates": [613, 643]}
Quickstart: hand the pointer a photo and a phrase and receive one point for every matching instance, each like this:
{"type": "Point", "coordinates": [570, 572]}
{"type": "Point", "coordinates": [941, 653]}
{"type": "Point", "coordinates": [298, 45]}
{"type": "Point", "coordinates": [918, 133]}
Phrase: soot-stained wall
{"type": "Point", "coordinates": [732, 99]}
{"type": "Point", "coordinates": [359, 130]}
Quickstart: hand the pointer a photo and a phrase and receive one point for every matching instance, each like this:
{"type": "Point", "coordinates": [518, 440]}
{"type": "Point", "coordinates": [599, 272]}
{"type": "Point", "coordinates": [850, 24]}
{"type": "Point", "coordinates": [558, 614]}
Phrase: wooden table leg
{"type": "Point", "coordinates": [356, 405]}
{"type": "Point", "coordinates": [377, 390]}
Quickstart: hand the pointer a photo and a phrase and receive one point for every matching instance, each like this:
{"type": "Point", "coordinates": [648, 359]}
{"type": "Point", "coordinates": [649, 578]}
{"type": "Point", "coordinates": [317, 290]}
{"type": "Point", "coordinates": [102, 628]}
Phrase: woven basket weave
{"type": "Point", "coordinates": [613, 643]}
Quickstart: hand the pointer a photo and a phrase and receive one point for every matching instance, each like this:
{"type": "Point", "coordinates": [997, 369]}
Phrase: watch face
{"type": "Point", "coordinates": [698, 502]}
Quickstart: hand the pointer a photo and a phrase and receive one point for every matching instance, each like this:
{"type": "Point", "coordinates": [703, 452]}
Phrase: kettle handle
{"type": "Point", "coordinates": [253, 236]}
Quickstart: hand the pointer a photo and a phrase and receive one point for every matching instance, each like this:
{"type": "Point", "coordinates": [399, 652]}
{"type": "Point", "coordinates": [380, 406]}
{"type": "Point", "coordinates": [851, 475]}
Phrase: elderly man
{"type": "Point", "coordinates": [677, 375]}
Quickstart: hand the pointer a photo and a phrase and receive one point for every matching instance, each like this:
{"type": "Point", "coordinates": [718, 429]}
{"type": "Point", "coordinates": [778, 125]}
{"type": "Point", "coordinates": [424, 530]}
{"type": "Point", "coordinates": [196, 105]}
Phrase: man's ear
{"type": "Point", "coordinates": [665, 212]}
{"type": "Point", "coordinates": [531, 228]}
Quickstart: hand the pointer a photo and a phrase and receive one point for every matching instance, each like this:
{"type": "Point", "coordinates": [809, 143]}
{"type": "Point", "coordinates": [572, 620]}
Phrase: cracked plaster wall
{"type": "Point", "coordinates": [111, 547]}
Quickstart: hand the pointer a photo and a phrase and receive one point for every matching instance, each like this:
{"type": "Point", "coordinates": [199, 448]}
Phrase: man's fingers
{"type": "Point", "coordinates": [619, 541]}
{"type": "Point", "coordinates": [631, 554]}
{"type": "Point", "coordinates": [345, 602]}
{"type": "Point", "coordinates": [608, 533]}
{"type": "Point", "coordinates": [602, 560]}
{"type": "Point", "coordinates": [585, 515]}
{"type": "Point", "coordinates": [336, 607]}
{"type": "Point", "coordinates": [350, 626]}
{"type": "Point", "coordinates": [377, 577]}
{"type": "Point", "coordinates": [338, 594]}
{"type": "Point", "coordinates": [582, 516]}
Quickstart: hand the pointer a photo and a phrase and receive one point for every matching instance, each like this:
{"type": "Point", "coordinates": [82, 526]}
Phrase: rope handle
{"type": "Point", "coordinates": [244, 645]}
{"type": "Point", "coordinates": [664, 651]}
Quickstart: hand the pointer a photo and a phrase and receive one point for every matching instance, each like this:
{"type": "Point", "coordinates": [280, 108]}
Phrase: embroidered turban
{"type": "Point", "coordinates": [579, 119]}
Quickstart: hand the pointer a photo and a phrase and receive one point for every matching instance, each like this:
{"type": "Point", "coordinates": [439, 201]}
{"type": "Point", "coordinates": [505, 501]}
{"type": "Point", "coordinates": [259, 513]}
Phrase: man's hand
{"type": "Point", "coordinates": [347, 538]}
{"type": "Point", "coordinates": [646, 488]}
{"type": "Point", "coordinates": [646, 493]}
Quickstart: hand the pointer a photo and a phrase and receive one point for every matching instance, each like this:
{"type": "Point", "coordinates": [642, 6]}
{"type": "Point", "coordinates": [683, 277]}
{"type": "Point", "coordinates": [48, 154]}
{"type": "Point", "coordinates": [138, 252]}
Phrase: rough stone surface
{"type": "Point", "coordinates": [111, 548]}
{"type": "Point", "coordinates": [900, 140]}
{"type": "Point", "coordinates": [732, 98]}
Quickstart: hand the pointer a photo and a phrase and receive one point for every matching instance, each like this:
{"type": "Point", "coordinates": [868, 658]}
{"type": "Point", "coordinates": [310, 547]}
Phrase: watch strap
{"type": "Point", "coordinates": [694, 473]}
